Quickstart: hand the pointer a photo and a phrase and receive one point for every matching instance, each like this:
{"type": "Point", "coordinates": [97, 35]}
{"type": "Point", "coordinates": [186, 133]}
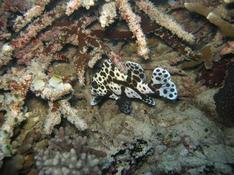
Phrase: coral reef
{"type": "Point", "coordinates": [40, 36]}
{"type": "Point", "coordinates": [53, 51]}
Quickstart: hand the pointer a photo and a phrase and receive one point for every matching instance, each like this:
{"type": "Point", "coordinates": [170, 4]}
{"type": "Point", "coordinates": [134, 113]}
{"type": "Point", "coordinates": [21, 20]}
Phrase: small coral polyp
{"type": "Point", "coordinates": [110, 82]}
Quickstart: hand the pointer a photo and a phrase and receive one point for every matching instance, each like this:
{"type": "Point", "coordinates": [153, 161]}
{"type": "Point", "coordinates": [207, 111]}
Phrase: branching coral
{"type": "Point", "coordinates": [215, 16]}
{"type": "Point", "coordinates": [127, 14]}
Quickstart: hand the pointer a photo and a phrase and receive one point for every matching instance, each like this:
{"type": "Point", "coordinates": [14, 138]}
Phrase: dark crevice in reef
{"type": "Point", "coordinates": [224, 99]}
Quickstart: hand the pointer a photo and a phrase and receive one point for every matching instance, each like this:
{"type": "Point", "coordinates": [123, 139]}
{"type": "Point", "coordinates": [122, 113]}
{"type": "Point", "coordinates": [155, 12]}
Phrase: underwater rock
{"type": "Point", "coordinates": [189, 142]}
{"type": "Point", "coordinates": [183, 136]}
{"type": "Point", "coordinates": [126, 160]}
{"type": "Point", "coordinates": [206, 103]}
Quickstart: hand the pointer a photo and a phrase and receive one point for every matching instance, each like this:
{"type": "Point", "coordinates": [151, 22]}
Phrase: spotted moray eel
{"type": "Point", "coordinates": [110, 82]}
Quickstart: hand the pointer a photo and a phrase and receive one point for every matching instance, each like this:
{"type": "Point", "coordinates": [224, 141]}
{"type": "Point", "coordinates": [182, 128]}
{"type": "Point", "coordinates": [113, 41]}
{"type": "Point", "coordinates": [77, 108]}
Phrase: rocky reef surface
{"type": "Point", "coordinates": [50, 51]}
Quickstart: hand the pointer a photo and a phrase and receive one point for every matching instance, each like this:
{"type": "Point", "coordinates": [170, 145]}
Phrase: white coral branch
{"type": "Point", "coordinates": [134, 25]}
{"type": "Point", "coordinates": [72, 5]}
{"type": "Point", "coordinates": [53, 89]}
{"type": "Point", "coordinates": [53, 118]}
{"type": "Point", "coordinates": [71, 114]}
{"type": "Point", "coordinates": [108, 14]}
{"type": "Point", "coordinates": [5, 54]}
{"type": "Point", "coordinates": [164, 20]}
{"type": "Point", "coordinates": [35, 11]}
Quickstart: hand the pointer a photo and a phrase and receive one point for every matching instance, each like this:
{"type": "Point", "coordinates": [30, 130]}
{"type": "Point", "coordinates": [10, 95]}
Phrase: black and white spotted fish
{"type": "Point", "coordinates": [110, 82]}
